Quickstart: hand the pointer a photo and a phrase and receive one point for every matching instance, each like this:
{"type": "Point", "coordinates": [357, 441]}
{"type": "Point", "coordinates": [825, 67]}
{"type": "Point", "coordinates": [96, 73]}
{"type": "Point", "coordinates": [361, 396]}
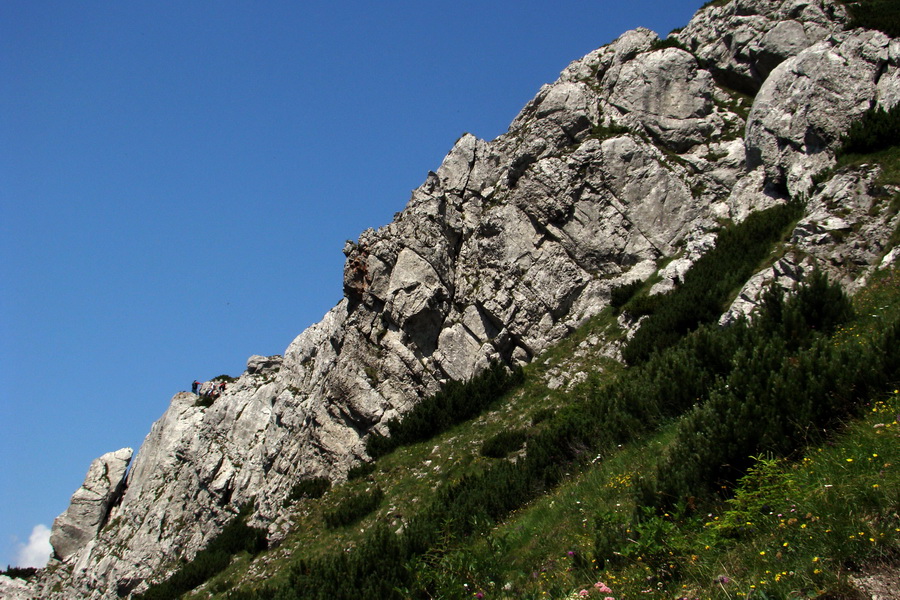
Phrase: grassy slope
{"type": "Point", "coordinates": [792, 529]}
{"type": "Point", "coordinates": [826, 516]}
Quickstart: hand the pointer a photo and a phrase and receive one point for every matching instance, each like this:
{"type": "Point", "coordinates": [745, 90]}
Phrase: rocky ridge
{"type": "Point", "coordinates": [628, 161]}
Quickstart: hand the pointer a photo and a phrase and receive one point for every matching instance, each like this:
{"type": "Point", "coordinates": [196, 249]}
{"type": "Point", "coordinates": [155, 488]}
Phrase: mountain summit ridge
{"type": "Point", "coordinates": [627, 162]}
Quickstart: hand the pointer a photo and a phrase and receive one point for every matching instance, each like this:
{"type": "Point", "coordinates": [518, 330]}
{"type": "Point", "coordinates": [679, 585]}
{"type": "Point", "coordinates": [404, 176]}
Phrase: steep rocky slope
{"type": "Point", "coordinates": [626, 163]}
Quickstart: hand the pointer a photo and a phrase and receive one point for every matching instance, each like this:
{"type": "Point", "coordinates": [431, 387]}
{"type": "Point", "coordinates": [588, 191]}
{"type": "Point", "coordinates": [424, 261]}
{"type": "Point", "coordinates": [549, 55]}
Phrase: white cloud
{"type": "Point", "coordinates": [37, 551]}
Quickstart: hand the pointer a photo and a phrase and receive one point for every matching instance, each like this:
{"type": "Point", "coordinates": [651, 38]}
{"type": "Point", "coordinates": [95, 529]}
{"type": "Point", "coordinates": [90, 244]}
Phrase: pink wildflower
{"type": "Point", "coordinates": [602, 587]}
{"type": "Point", "coordinates": [583, 593]}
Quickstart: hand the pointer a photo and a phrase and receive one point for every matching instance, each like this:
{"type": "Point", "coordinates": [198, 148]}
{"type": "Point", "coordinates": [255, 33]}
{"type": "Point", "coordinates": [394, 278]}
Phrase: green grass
{"type": "Point", "coordinates": [548, 548]}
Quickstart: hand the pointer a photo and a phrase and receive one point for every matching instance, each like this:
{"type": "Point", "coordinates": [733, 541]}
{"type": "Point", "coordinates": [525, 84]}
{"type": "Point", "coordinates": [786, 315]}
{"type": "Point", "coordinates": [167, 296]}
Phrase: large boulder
{"type": "Point", "coordinates": [809, 102]}
{"type": "Point", "coordinates": [262, 365]}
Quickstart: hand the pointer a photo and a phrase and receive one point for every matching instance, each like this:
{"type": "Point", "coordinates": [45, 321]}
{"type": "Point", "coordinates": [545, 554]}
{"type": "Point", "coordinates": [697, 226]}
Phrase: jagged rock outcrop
{"type": "Point", "coordinates": [14, 589]}
{"type": "Point", "coordinates": [257, 364]}
{"type": "Point", "coordinates": [91, 503]}
{"type": "Point", "coordinates": [630, 159]}
{"type": "Point", "coordinates": [743, 41]}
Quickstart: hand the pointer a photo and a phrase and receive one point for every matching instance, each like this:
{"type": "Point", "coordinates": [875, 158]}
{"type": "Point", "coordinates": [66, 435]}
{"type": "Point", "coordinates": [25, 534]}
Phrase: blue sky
{"type": "Point", "coordinates": [177, 180]}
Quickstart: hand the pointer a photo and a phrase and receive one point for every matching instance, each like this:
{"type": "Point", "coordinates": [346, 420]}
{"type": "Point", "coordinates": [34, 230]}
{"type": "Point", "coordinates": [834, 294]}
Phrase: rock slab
{"type": "Point", "coordinates": [91, 503]}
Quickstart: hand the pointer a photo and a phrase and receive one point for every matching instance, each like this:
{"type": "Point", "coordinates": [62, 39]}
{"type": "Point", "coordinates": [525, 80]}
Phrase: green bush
{"type": "Point", "coordinates": [878, 129]}
{"type": "Point", "coordinates": [883, 15]}
{"type": "Point", "coordinates": [669, 42]}
{"type": "Point", "coordinates": [711, 282]}
{"type": "Point", "coordinates": [19, 572]}
{"type": "Point", "coordinates": [457, 402]}
{"type": "Point", "coordinates": [541, 415]}
{"type": "Point", "coordinates": [314, 487]}
{"type": "Point", "coordinates": [353, 508]}
{"type": "Point", "coordinates": [501, 444]}
{"type": "Point", "coordinates": [620, 295]}
{"type": "Point", "coordinates": [360, 471]}
{"type": "Point", "coordinates": [789, 382]}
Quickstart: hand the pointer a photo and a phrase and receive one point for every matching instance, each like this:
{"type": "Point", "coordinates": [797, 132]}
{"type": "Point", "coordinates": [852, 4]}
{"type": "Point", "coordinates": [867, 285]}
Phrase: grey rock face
{"type": "Point", "coordinates": [91, 503]}
{"type": "Point", "coordinates": [744, 40]}
{"type": "Point", "coordinates": [669, 94]}
{"type": "Point", "coordinates": [629, 159]}
{"type": "Point", "coordinates": [257, 364]}
{"type": "Point", "coordinates": [809, 102]}
{"type": "Point", "coordinates": [14, 589]}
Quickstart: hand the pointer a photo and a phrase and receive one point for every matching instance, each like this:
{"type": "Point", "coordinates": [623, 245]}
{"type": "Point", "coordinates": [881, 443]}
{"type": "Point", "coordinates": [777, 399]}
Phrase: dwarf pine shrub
{"type": "Point", "coordinates": [503, 443]}
{"type": "Point", "coordinates": [620, 295]}
{"type": "Point", "coordinates": [19, 572]}
{"type": "Point", "coordinates": [314, 487]}
{"type": "Point", "coordinates": [711, 282]}
{"type": "Point", "coordinates": [883, 15]}
{"type": "Point", "coordinates": [878, 129]}
{"type": "Point", "coordinates": [360, 471]}
{"type": "Point", "coordinates": [456, 402]}
{"type": "Point", "coordinates": [789, 383]}
{"type": "Point", "coordinates": [353, 508]}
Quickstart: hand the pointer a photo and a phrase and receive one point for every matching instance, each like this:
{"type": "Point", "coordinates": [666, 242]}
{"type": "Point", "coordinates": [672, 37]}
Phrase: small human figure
{"type": "Point", "coordinates": [221, 387]}
{"type": "Point", "coordinates": [195, 386]}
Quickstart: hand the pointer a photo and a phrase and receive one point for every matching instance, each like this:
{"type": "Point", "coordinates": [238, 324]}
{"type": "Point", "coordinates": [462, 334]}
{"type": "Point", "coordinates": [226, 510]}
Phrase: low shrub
{"type": "Point", "coordinates": [620, 295]}
{"type": "Point", "coordinates": [541, 415]}
{"type": "Point", "coordinates": [353, 508]}
{"type": "Point", "coordinates": [314, 487]}
{"type": "Point", "coordinates": [878, 129]}
{"type": "Point", "coordinates": [19, 572]}
{"type": "Point", "coordinates": [457, 402]}
{"type": "Point", "coordinates": [710, 283]}
{"type": "Point", "coordinates": [883, 15]}
{"type": "Point", "coordinates": [360, 471]}
{"type": "Point", "coordinates": [503, 443]}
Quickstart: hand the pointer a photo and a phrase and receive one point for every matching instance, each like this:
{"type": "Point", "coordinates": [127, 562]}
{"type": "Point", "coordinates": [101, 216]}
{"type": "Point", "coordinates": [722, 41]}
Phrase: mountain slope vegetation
{"type": "Point", "coordinates": [756, 460]}
{"type": "Point", "coordinates": [700, 286]}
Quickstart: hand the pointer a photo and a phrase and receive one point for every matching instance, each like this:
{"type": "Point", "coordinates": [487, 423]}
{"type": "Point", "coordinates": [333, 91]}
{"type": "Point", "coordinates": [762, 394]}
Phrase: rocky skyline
{"type": "Point", "coordinates": [619, 170]}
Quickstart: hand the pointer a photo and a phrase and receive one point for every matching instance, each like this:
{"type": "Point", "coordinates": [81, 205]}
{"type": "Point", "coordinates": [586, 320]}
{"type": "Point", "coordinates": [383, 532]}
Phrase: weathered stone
{"type": "Point", "coordinates": [91, 503]}
{"type": "Point", "coordinates": [744, 40]}
{"type": "Point", "coordinates": [260, 365]}
{"type": "Point", "coordinates": [14, 589]}
{"type": "Point", "coordinates": [669, 95]}
{"type": "Point", "coordinates": [808, 103]}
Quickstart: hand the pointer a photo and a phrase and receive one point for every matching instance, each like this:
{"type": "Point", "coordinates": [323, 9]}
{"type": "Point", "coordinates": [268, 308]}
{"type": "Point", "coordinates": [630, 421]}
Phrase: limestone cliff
{"type": "Point", "coordinates": [631, 158]}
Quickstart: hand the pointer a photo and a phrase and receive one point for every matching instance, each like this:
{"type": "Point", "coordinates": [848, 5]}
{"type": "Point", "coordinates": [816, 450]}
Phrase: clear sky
{"type": "Point", "coordinates": [177, 180]}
